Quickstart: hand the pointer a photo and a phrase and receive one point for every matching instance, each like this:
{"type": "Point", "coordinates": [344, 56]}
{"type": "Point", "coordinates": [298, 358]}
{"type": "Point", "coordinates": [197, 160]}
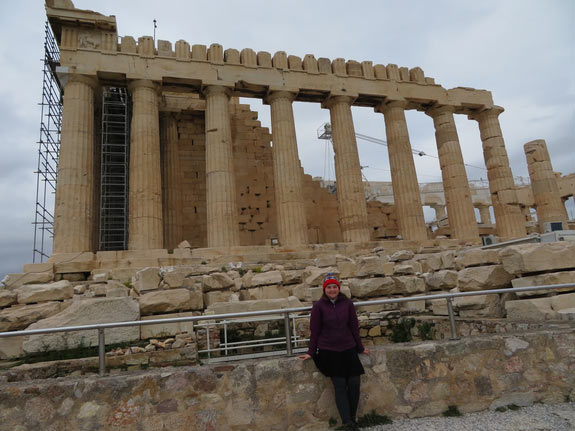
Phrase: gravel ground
{"type": "Point", "coordinates": [539, 417]}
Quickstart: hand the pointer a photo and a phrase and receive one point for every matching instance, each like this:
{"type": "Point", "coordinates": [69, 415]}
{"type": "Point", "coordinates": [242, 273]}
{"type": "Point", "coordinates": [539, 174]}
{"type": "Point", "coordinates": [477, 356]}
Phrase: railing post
{"type": "Point", "coordinates": [225, 338]}
{"type": "Point", "coordinates": [451, 319]}
{"type": "Point", "coordinates": [287, 328]}
{"type": "Point", "coordinates": [101, 352]}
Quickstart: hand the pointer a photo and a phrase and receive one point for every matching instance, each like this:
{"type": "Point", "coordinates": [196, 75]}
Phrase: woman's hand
{"type": "Point", "coordinates": [366, 351]}
{"type": "Point", "coordinates": [305, 357]}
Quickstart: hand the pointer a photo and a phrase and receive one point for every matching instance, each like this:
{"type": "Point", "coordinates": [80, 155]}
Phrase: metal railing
{"type": "Point", "coordinates": [286, 312]}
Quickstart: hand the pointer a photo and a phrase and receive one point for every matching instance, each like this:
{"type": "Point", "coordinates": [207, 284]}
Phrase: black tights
{"type": "Point", "coordinates": [346, 396]}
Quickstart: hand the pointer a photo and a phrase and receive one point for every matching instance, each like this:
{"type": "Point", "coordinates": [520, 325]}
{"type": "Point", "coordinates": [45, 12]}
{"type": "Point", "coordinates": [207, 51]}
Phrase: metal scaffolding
{"type": "Point", "coordinates": [113, 234]}
{"type": "Point", "coordinates": [48, 147]}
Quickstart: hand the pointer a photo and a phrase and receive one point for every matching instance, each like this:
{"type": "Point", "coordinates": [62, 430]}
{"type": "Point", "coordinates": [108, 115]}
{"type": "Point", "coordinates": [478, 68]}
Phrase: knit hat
{"type": "Point", "coordinates": [330, 278]}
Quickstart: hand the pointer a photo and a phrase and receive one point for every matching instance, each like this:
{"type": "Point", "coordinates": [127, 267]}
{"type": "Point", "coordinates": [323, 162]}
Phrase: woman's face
{"type": "Point", "coordinates": [332, 290]}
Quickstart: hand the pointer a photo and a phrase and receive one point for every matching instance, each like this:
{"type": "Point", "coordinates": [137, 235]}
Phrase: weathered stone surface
{"type": "Point", "coordinates": [441, 280]}
{"type": "Point", "coordinates": [19, 317]}
{"type": "Point", "coordinates": [347, 269]}
{"type": "Point", "coordinates": [174, 276]}
{"type": "Point", "coordinates": [216, 281]}
{"type": "Point", "coordinates": [563, 301]}
{"type": "Point", "coordinates": [7, 298]}
{"type": "Point", "coordinates": [370, 265]}
{"type": "Point", "coordinates": [401, 255]}
{"type": "Point", "coordinates": [146, 279]}
{"type": "Point", "coordinates": [429, 262]}
{"type": "Point", "coordinates": [407, 268]}
{"type": "Point", "coordinates": [216, 296]}
{"type": "Point", "coordinates": [447, 259]}
{"type": "Point", "coordinates": [123, 275]}
{"type": "Point", "coordinates": [479, 306]}
{"type": "Point", "coordinates": [16, 280]}
{"type": "Point", "coordinates": [314, 276]}
{"type": "Point", "coordinates": [302, 292]}
{"type": "Point", "coordinates": [266, 304]}
{"type": "Point", "coordinates": [264, 292]}
{"type": "Point", "coordinates": [11, 348]}
{"type": "Point", "coordinates": [165, 301]}
{"type": "Point", "coordinates": [483, 278]}
{"type": "Point", "coordinates": [262, 278]}
{"type": "Point", "coordinates": [439, 307]}
{"type": "Point", "coordinates": [291, 276]}
{"type": "Point", "coordinates": [477, 257]}
{"type": "Point", "coordinates": [527, 258]}
{"type": "Point", "coordinates": [57, 291]}
{"type": "Point", "coordinates": [562, 277]}
{"type": "Point", "coordinates": [370, 287]}
{"type": "Point", "coordinates": [162, 330]}
{"type": "Point", "coordinates": [89, 311]}
{"type": "Point", "coordinates": [566, 314]}
{"type": "Point", "coordinates": [409, 284]}
{"type": "Point", "coordinates": [533, 310]}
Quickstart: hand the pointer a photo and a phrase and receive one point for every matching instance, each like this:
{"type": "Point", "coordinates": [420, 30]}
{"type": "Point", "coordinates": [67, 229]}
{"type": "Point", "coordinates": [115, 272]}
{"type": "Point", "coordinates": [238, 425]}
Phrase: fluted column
{"type": "Point", "coordinates": [173, 228]}
{"type": "Point", "coordinates": [350, 191]}
{"type": "Point", "coordinates": [509, 222]}
{"type": "Point", "coordinates": [145, 210]}
{"type": "Point", "coordinates": [222, 217]}
{"type": "Point", "coordinates": [290, 206]}
{"type": "Point", "coordinates": [548, 202]}
{"type": "Point", "coordinates": [74, 206]}
{"type": "Point", "coordinates": [455, 184]}
{"type": "Point", "coordinates": [439, 211]}
{"type": "Point", "coordinates": [406, 197]}
{"type": "Point", "coordinates": [484, 214]}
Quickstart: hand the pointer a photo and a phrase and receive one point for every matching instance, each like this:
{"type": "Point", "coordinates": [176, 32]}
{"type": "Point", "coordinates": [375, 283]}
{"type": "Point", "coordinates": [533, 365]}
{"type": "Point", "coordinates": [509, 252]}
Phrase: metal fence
{"type": "Point", "coordinates": [287, 314]}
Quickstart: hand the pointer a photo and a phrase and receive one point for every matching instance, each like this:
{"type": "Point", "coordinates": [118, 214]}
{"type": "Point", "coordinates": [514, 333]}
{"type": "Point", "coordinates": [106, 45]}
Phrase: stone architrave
{"type": "Point", "coordinates": [550, 207]}
{"type": "Point", "coordinates": [74, 206]}
{"type": "Point", "coordinates": [173, 228]}
{"type": "Point", "coordinates": [460, 211]}
{"type": "Point", "coordinates": [509, 222]}
{"type": "Point", "coordinates": [145, 211]}
{"type": "Point", "coordinates": [291, 215]}
{"type": "Point", "coordinates": [222, 217]}
{"type": "Point", "coordinates": [406, 197]}
{"type": "Point", "coordinates": [350, 191]}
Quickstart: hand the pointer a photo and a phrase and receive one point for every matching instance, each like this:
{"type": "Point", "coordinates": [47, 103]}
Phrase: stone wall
{"type": "Point", "coordinates": [414, 380]}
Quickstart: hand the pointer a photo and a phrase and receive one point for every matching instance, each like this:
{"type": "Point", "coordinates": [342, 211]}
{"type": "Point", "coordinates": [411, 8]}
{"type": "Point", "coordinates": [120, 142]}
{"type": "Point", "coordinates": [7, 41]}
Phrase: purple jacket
{"type": "Point", "coordinates": [334, 326]}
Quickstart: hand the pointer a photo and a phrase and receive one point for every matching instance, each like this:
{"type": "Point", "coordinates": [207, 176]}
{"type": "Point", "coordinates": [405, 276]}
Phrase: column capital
{"type": "Point", "coordinates": [213, 90]}
{"type": "Point", "coordinates": [91, 81]}
{"type": "Point", "coordinates": [495, 111]}
{"type": "Point", "coordinates": [439, 109]}
{"type": "Point", "coordinates": [143, 83]}
{"type": "Point", "coordinates": [280, 94]}
{"type": "Point", "coordinates": [336, 100]}
{"type": "Point", "coordinates": [386, 105]}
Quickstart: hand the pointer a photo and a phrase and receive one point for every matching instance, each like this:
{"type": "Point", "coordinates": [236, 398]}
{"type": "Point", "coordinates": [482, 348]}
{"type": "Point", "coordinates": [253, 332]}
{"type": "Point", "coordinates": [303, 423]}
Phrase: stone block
{"type": "Point", "coordinates": [302, 292]}
{"type": "Point", "coordinates": [562, 302]}
{"type": "Point", "coordinates": [7, 298]}
{"type": "Point", "coordinates": [447, 259]}
{"type": "Point", "coordinates": [531, 310]}
{"type": "Point", "coordinates": [11, 347]}
{"type": "Point", "coordinates": [347, 269]}
{"type": "Point", "coordinates": [413, 306]}
{"type": "Point", "coordinates": [146, 279]}
{"type": "Point", "coordinates": [479, 306]}
{"type": "Point", "coordinates": [123, 275]}
{"type": "Point", "coordinates": [407, 268]}
{"type": "Point", "coordinates": [441, 280]}
{"type": "Point", "coordinates": [216, 296]}
{"type": "Point", "coordinates": [409, 284]}
{"type": "Point", "coordinates": [483, 278]}
{"type": "Point", "coordinates": [20, 316]}
{"type": "Point", "coordinates": [370, 287]}
{"type": "Point", "coordinates": [174, 276]}
{"type": "Point", "coordinates": [165, 301]}
{"type": "Point", "coordinates": [439, 307]}
{"type": "Point", "coordinates": [401, 255]}
{"type": "Point", "coordinates": [161, 330]}
{"type": "Point", "coordinates": [291, 277]}
{"type": "Point", "coordinates": [314, 276]}
{"type": "Point", "coordinates": [429, 262]}
{"type": "Point", "coordinates": [216, 281]}
{"type": "Point", "coordinates": [527, 258]}
{"type": "Point", "coordinates": [13, 281]}
{"type": "Point", "coordinates": [262, 279]}
{"type": "Point", "coordinates": [326, 260]}
{"type": "Point", "coordinates": [57, 291]}
{"type": "Point", "coordinates": [264, 292]}
{"type": "Point", "coordinates": [565, 314]}
{"type": "Point", "coordinates": [562, 277]}
{"type": "Point", "coordinates": [38, 267]}
{"type": "Point", "coordinates": [370, 265]}
{"type": "Point", "coordinates": [477, 257]}
{"type": "Point", "coordinates": [244, 306]}
{"type": "Point", "coordinates": [86, 312]}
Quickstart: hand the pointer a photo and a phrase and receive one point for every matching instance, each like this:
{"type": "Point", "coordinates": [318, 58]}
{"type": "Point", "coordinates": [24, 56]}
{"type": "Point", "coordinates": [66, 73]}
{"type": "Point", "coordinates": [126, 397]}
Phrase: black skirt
{"type": "Point", "coordinates": [339, 364]}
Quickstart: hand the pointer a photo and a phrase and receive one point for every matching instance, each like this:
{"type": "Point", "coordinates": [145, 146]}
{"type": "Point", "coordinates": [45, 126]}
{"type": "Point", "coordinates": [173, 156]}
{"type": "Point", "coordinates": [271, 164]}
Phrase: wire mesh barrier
{"type": "Point", "coordinates": [291, 338]}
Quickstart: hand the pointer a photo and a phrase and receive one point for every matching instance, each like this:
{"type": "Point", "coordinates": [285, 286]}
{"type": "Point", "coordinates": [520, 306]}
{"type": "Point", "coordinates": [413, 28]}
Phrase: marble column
{"type": "Point", "coordinates": [406, 196]}
{"type": "Point", "coordinates": [509, 222]}
{"type": "Point", "coordinates": [484, 214]}
{"type": "Point", "coordinates": [172, 180]}
{"type": "Point", "coordinates": [548, 203]}
{"type": "Point", "coordinates": [439, 211]}
{"type": "Point", "coordinates": [350, 190]}
{"type": "Point", "coordinates": [290, 205]}
{"type": "Point", "coordinates": [460, 212]}
{"type": "Point", "coordinates": [74, 207]}
{"type": "Point", "coordinates": [222, 209]}
{"type": "Point", "coordinates": [145, 206]}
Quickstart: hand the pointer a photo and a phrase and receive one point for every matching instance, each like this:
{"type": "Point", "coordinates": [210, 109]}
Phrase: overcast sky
{"type": "Point", "coordinates": [523, 51]}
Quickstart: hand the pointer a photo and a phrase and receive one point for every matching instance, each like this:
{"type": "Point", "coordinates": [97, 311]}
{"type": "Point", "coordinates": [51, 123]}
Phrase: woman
{"type": "Point", "coordinates": [334, 346]}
